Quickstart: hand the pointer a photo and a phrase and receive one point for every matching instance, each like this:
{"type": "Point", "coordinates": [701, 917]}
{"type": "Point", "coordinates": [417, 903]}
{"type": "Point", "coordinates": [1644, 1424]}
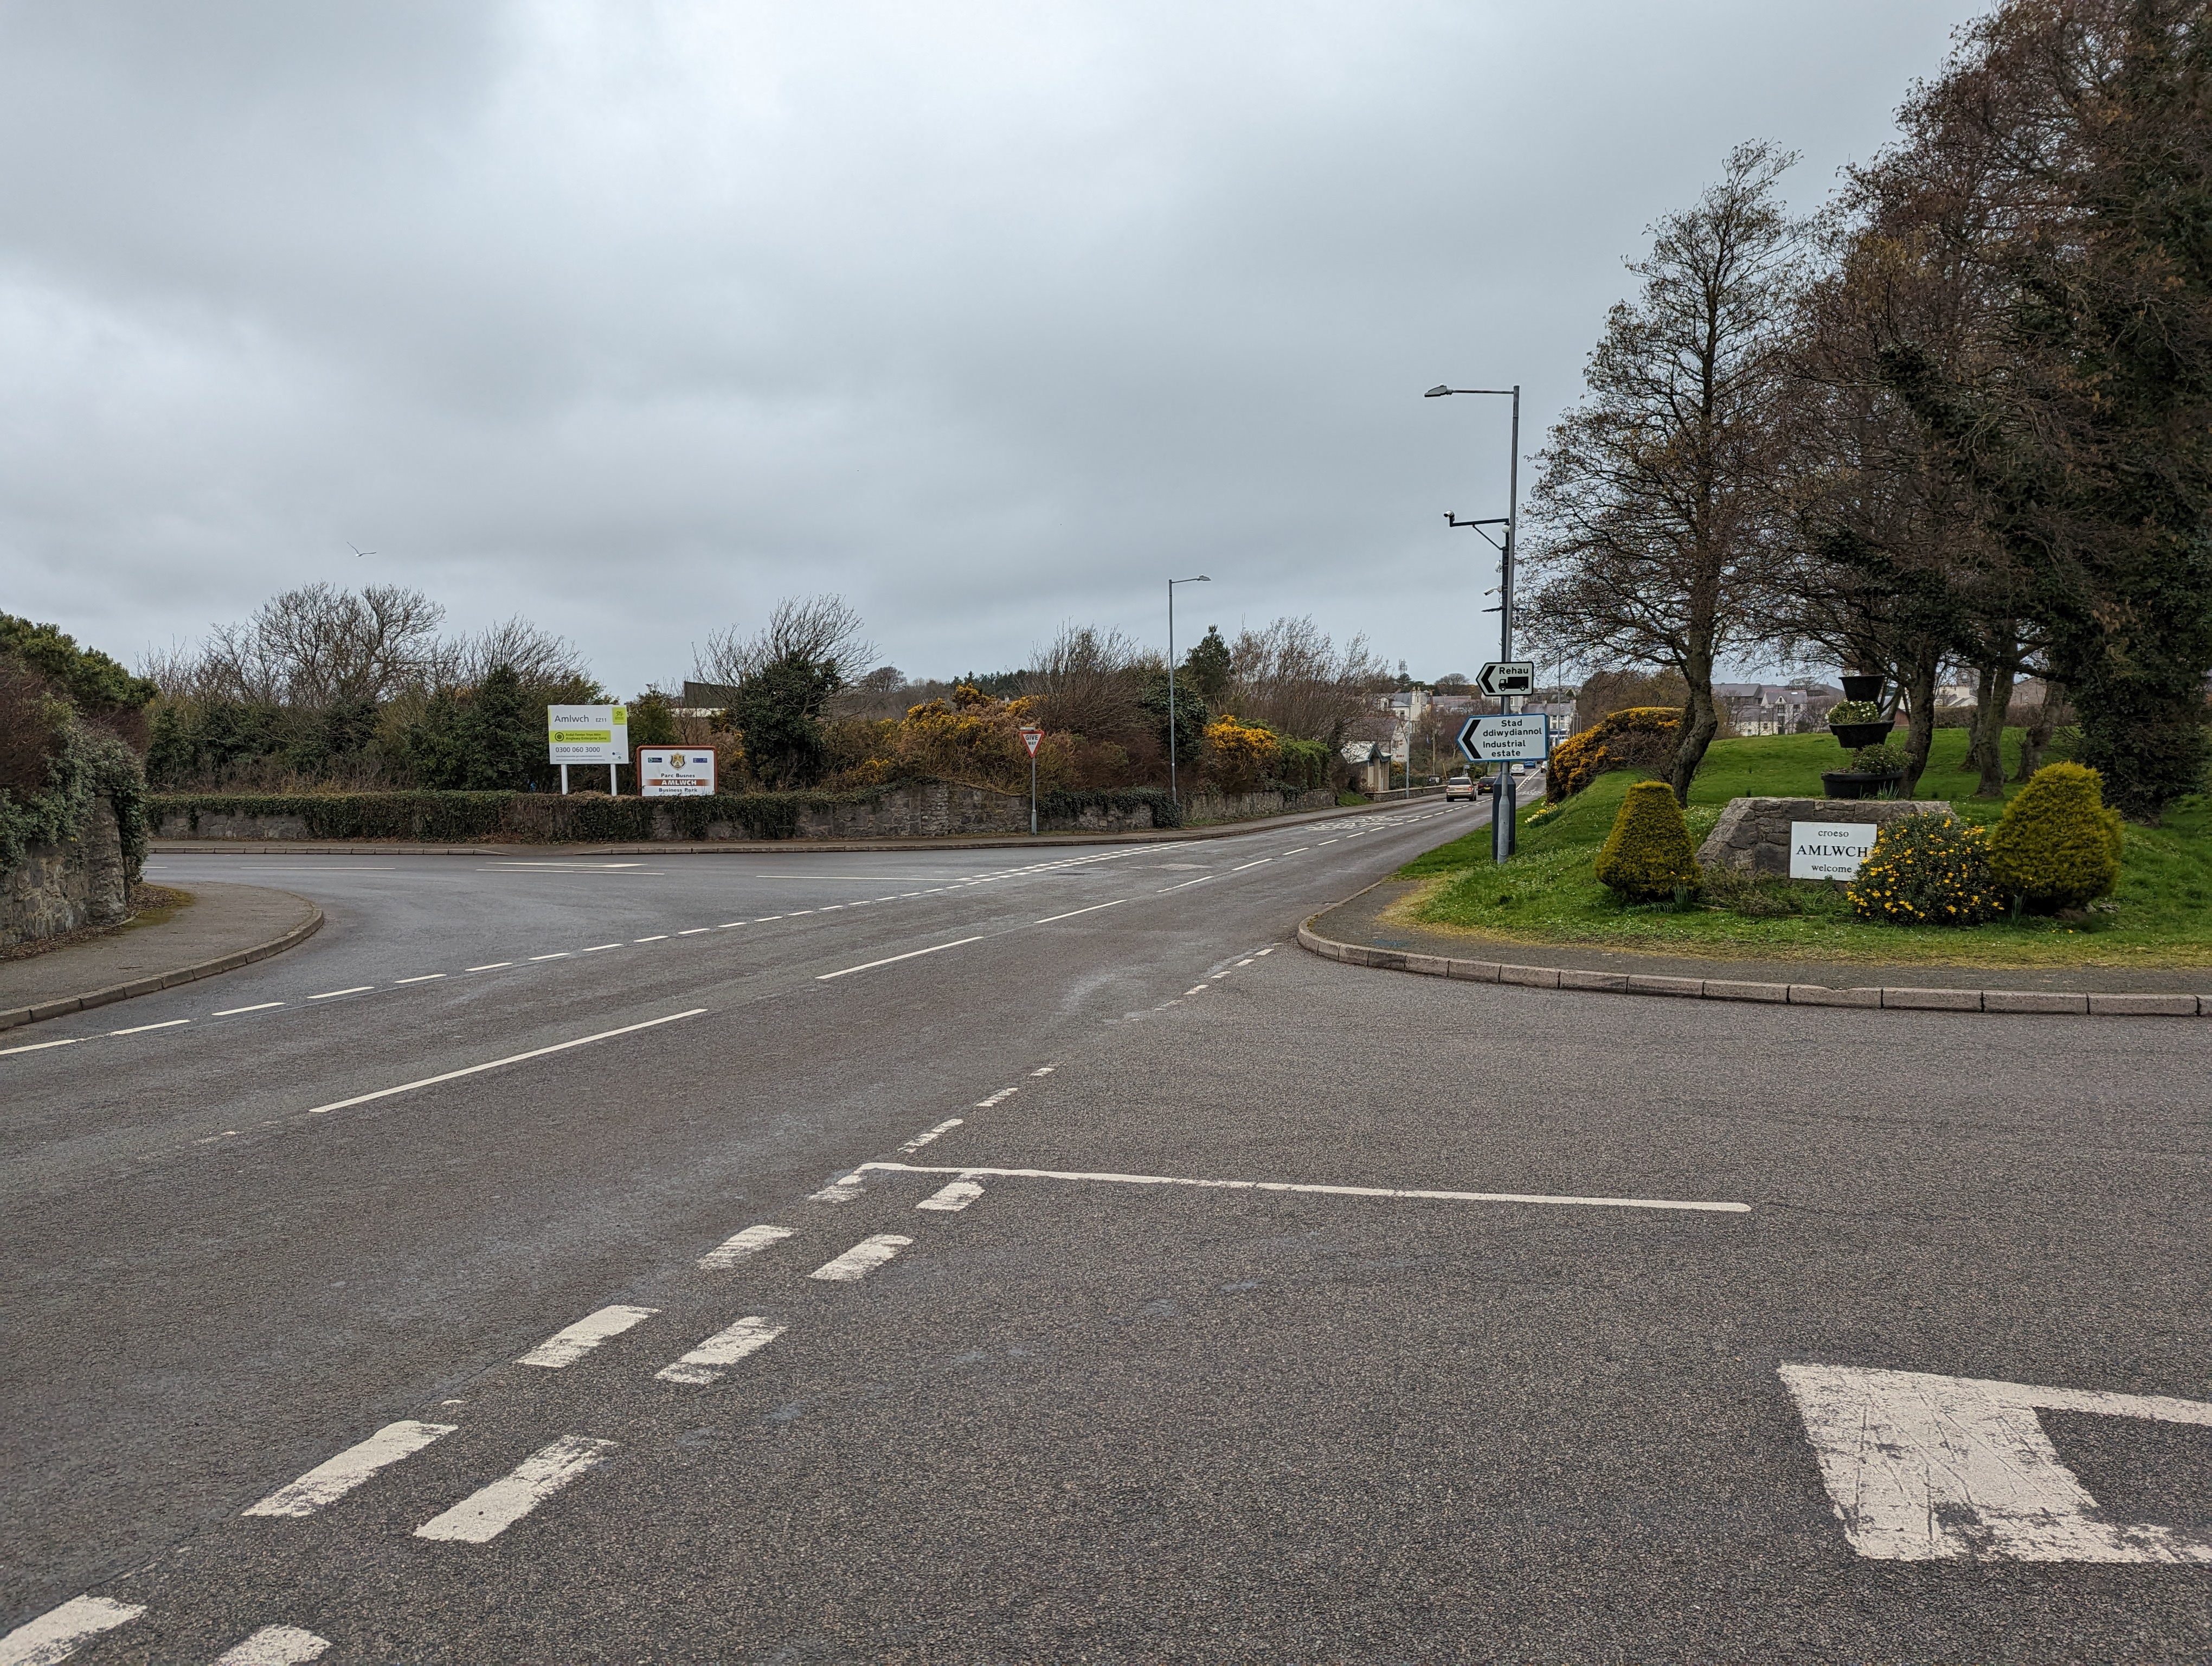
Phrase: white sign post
{"type": "Point", "coordinates": [675, 772]}
{"type": "Point", "coordinates": [1031, 739]}
{"type": "Point", "coordinates": [588, 734]}
{"type": "Point", "coordinates": [1821, 850]}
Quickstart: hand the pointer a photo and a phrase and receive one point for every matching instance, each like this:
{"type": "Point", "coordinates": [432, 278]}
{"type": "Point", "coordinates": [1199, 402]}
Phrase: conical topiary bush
{"type": "Point", "coordinates": [2057, 845]}
{"type": "Point", "coordinates": [1649, 854]}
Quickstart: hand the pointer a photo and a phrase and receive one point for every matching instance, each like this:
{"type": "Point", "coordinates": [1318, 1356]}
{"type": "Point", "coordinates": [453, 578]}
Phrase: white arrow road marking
{"type": "Point", "coordinates": [1326, 1191]}
{"type": "Point", "coordinates": [1920, 1468]}
{"type": "Point", "coordinates": [750, 1242]}
{"type": "Point", "coordinates": [490, 1510]}
{"type": "Point", "coordinates": [276, 1645]}
{"type": "Point", "coordinates": [565, 1347]}
{"type": "Point", "coordinates": [953, 1198]}
{"type": "Point", "coordinates": [707, 1362]}
{"type": "Point", "coordinates": [862, 1258]}
{"type": "Point", "coordinates": [332, 1478]}
{"type": "Point", "coordinates": [55, 1634]}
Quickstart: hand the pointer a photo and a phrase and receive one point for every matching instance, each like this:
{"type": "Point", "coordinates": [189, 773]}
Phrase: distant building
{"type": "Point", "coordinates": [1775, 708]}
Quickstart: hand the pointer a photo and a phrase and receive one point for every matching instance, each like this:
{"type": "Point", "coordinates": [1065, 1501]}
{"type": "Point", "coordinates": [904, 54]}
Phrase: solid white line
{"type": "Point", "coordinates": [565, 1347]}
{"type": "Point", "coordinates": [425, 977]}
{"type": "Point", "coordinates": [1263, 862]}
{"type": "Point", "coordinates": [332, 1478]}
{"type": "Point", "coordinates": [141, 1029]}
{"type": "Point", "coordinates": [332, 995]}
{"type": "Point", "coordinates": [936, 948]}
{"type": "Point", "coordinates": [922, 1140]}
{"type": "Point", "coordinates": [274, 1645]}
{"type": "Point", "coordinates": [55, 1634]}
{"type": "Point", "coordinates": [1070, 914]}
{"type": "Point", "coordinates": [490, 1510]}
{"type": "Point", "coordinates": [262, 1006]}
{"type": "Point", "coordinates": [865, 1256]}
{"type": "Point", "coordinates": [750, 1242]}
{"type": "Point", "coordinates": [40, 1047]}
{"type": "Point", "coordinates": [1326, 1191]}
{"type": "Point", "coordinates": [493, 967]}
{"type": "Point", "coordinates": [493, 1064]}
{"type": "Point", "coordinates": [706, 1363]}
{"type": "Point", "coordinates": [953, 1198]}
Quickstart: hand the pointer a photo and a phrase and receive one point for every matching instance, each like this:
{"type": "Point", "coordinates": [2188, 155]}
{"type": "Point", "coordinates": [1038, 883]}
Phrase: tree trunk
{"type": "Point", "coordinates": [1701, 723]}
{"type": "Point", "coordinates": [1986, 755]}
{"type": "Point", "coordinates": [2037, 735]}
{"type": "Point", "coordinates": [1919, 691]}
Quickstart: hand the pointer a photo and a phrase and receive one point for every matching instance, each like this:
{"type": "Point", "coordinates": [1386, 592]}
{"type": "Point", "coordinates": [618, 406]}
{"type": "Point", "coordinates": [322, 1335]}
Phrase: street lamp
{"type": "Point", "coordinates": [1503, 806]}
{"type": "Point", "coordinates": [1173, 797]}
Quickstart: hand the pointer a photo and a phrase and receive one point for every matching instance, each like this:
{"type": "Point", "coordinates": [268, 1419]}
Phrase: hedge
{"type": "Point", "coordinates": [89, 763]}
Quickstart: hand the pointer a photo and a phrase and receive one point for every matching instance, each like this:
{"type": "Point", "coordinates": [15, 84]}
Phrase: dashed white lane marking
{"type": "Point", "coordinates": [493, 1064]}
{"type": "Point", "coordinates": [1071, 913]}
{"type": "Point", "coordinates": [565, 1347]}
{"type": "Point", "coordinates": [41, 1047]}
{"type": "Point", "coordinates": [1920, 1468]}
{"type": "Point", "coordinates": [332, 995]}
{"type": "Point", "coordinates": [276, 1645]}
{"type": "Point", "coordinates": [864, 1257]}
{"type": "Point", "coordinates": [601, 948]}
{"type": "Point", "coordinates": [935, 948]}
{"type": "Point", "coordinates": [1263, 951]}
{"type": "Point", "coordinates": [1263, 862]}
{"type": "Point", "coordinates": [141, 1029]}
{"type": "Point", "coordinates": [1198, 990]}
{"type": "Point", "coordinates": [658, 937]}
{"type": "Point", "coordinates": [332, 1478]}
{"type": "Point", "coordinates": [1002, 1095]}
{"type": "Point", "coordinates": [694, 931]}
{"type": "Point", "coordinates": [732, 925]}
{"type": "Point", "coordinates": [766, 918]}
{"type": "Point", "coordinates": [750, 1242]}
{"type": "Point", "coordinates": [1245, 962]}
{"type": "Point", "coordinates": [707, 1362]}
{"type": "Point", "coordinates": [843, 1189]}
{"type": "Point", "coordinates": [952, 1198]}
{"type": "Point", "coordinates": [1044, 1070]}
{"type": "Point", "coordinates": [1300, 851]}
{"type": "Point", "coordinates": [425, 977]}
{"type": "Point", "coordinates": [922, 1140]}
{"type": "Point", "coordinates": [1201, 880]}
{"type": "Point", "coordinates": [262, 1006]}
{"type": "Point", "coordinates": [1325, 1191]}
{"type": "Point", "coordinates": [493, 967]}
{"type": "Point", "coordinates": [1326, 841]}
{"type": "Point", "coordinates": [55, 1634]}
{"type": "Point", "coordinates": [535, 958]}
{"type": "Point", "coordinates": [490, 1510]}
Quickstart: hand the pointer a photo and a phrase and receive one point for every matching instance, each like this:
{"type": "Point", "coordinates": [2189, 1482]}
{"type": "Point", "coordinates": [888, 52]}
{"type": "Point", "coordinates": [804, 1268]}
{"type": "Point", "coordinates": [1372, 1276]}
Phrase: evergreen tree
{"type": "Point", "coordinates": [1205, 669]}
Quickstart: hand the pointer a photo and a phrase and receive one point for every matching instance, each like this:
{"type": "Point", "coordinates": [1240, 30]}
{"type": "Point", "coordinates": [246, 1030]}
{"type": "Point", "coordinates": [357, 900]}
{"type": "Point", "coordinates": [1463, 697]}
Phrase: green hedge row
{"type": "Point", "coordinates": [456, 817]}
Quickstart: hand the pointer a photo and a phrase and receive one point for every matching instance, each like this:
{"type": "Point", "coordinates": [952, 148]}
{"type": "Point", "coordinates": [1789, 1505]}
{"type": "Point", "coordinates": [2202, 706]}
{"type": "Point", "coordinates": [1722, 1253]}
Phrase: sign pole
{"type": "Point", "coordinates": [1033, 739]}
{"type": "Point", "coordinates": [1504, 803]}
{"type": "Point", "coordinates": [564, 781]}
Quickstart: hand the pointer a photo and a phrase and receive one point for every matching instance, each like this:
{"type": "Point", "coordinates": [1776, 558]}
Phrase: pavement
{"type": "Point", "coordinates": [221, 926]}
{"type": "Point", "coordinates": [1358, 920]}
{"type": "Point", "coordinates": [968, 1259]}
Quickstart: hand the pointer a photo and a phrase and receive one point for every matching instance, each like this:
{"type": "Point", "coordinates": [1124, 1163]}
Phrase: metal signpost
{"type": "Point", "coordinates": [1031, 739]}
{"type": "Point", "coordinates": [588, 734]}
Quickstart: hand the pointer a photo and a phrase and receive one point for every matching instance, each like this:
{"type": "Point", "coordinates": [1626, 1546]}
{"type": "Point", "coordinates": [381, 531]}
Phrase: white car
{"type": "Point", "coordinates": [1459, 786]}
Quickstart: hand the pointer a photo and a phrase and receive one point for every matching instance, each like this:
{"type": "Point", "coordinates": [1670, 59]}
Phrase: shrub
{"type": "Point", "coordinates": [1886, 759]}
{"type": "Point", "coordinates": [1648, 853]}
{"type": "Point", "coordinates": [2057, 845]}
{"type": "Point", "coordinates": [1242, 753]}
{"type": "Point", "coordinates": [1927, 871]}
{"type": "Point", "coordinates": [1855, 711]}
{"type": "Point", "coordinates": [1640, 738]}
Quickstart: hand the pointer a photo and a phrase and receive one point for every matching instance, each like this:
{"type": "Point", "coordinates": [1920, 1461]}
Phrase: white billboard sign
{"type": "Point", "coordinates": [1520, 737]}
{"type": "Point", "coordinates": [587, 734]}
{"type": "Point", "coordinates": [1821, 850]}
{"type": "Point", "coordinates": [675, 772]}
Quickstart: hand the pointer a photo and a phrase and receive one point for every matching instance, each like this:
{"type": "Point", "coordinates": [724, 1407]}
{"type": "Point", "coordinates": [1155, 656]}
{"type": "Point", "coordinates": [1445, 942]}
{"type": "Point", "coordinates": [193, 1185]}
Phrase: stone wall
{"type": "Point", "coordinates": [59, 888]}
{"type": "Point", "coordinates": [1208, 806]}
{"type": "Point", "coordinates": [1752, 835]}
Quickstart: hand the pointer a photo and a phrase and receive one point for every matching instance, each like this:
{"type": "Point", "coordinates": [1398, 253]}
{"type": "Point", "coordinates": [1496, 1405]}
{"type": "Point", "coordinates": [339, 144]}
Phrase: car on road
{"type": "Point", "coordinates": [1462, 786]}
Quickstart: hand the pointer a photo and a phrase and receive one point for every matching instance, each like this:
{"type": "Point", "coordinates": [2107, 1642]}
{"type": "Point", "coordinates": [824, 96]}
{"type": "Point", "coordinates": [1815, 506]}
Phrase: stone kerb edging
{"type": "Point", "coordinates": [65, 1004]}
{"type": "Point", "coordinates": [1777, 994]}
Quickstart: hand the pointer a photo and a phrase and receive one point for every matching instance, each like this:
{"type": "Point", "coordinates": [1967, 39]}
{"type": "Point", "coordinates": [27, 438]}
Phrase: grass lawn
{"type": "Point", "coordinates": [2161, 916]}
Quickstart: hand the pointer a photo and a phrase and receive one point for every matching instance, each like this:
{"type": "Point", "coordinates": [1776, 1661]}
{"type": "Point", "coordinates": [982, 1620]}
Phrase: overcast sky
{"type": "Point", "coordinates": [634, 317]}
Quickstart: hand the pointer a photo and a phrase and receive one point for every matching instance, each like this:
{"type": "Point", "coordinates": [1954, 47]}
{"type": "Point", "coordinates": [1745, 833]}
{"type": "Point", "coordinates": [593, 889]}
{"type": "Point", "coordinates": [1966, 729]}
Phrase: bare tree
{"type": "Point", "coordinates": [539, 659]}
{"type": "Point", "coordinates": [1657, 496]}
{"type": "Point", "coordinates": [319, 644]}
{"type": "Point", "coordinates": [818, 630]}
{"type": "Point", "coordinates": [1291, 676]}
{"type": "Point", "coordinates": [1087, 682]}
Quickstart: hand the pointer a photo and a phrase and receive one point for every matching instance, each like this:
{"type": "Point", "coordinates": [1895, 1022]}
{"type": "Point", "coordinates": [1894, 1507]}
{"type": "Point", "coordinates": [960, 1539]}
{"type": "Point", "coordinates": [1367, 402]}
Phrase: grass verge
{"type": "Point", "coordinates": [2162, 915]}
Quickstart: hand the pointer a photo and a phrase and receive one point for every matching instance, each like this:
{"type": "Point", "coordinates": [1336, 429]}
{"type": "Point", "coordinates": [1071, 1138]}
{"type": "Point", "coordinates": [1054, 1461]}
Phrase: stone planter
{"type": "Point", "coordinates": [1863, 688]}
{"type": "Point", "coordinates": [1856, 735]}
{"type": "Point", "coordinates": [1858, 784]}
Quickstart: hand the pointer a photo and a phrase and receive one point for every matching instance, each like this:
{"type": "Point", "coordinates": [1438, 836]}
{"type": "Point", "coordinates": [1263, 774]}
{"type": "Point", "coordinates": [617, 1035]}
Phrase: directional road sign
{"type": "Point", "coordinates": [1523, 737]}
{"type": "Point", "coordinates": [1507, 677]}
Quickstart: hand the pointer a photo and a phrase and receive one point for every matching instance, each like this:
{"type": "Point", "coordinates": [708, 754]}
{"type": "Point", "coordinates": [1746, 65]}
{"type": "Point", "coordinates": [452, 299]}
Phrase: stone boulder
{"type": "Point", "coordinates": [1752, 835]}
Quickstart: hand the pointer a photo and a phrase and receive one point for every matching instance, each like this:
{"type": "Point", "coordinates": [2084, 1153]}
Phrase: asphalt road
{"type": "Point", "coordinates": [366, 1310]}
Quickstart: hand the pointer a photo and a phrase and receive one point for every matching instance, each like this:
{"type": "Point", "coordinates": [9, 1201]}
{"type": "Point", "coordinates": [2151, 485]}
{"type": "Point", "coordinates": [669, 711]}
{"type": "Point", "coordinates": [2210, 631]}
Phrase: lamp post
{"type": "Point", "coordinates": [1174, 798]}
{"type": "Point", "coordinates": [1502, 804]}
